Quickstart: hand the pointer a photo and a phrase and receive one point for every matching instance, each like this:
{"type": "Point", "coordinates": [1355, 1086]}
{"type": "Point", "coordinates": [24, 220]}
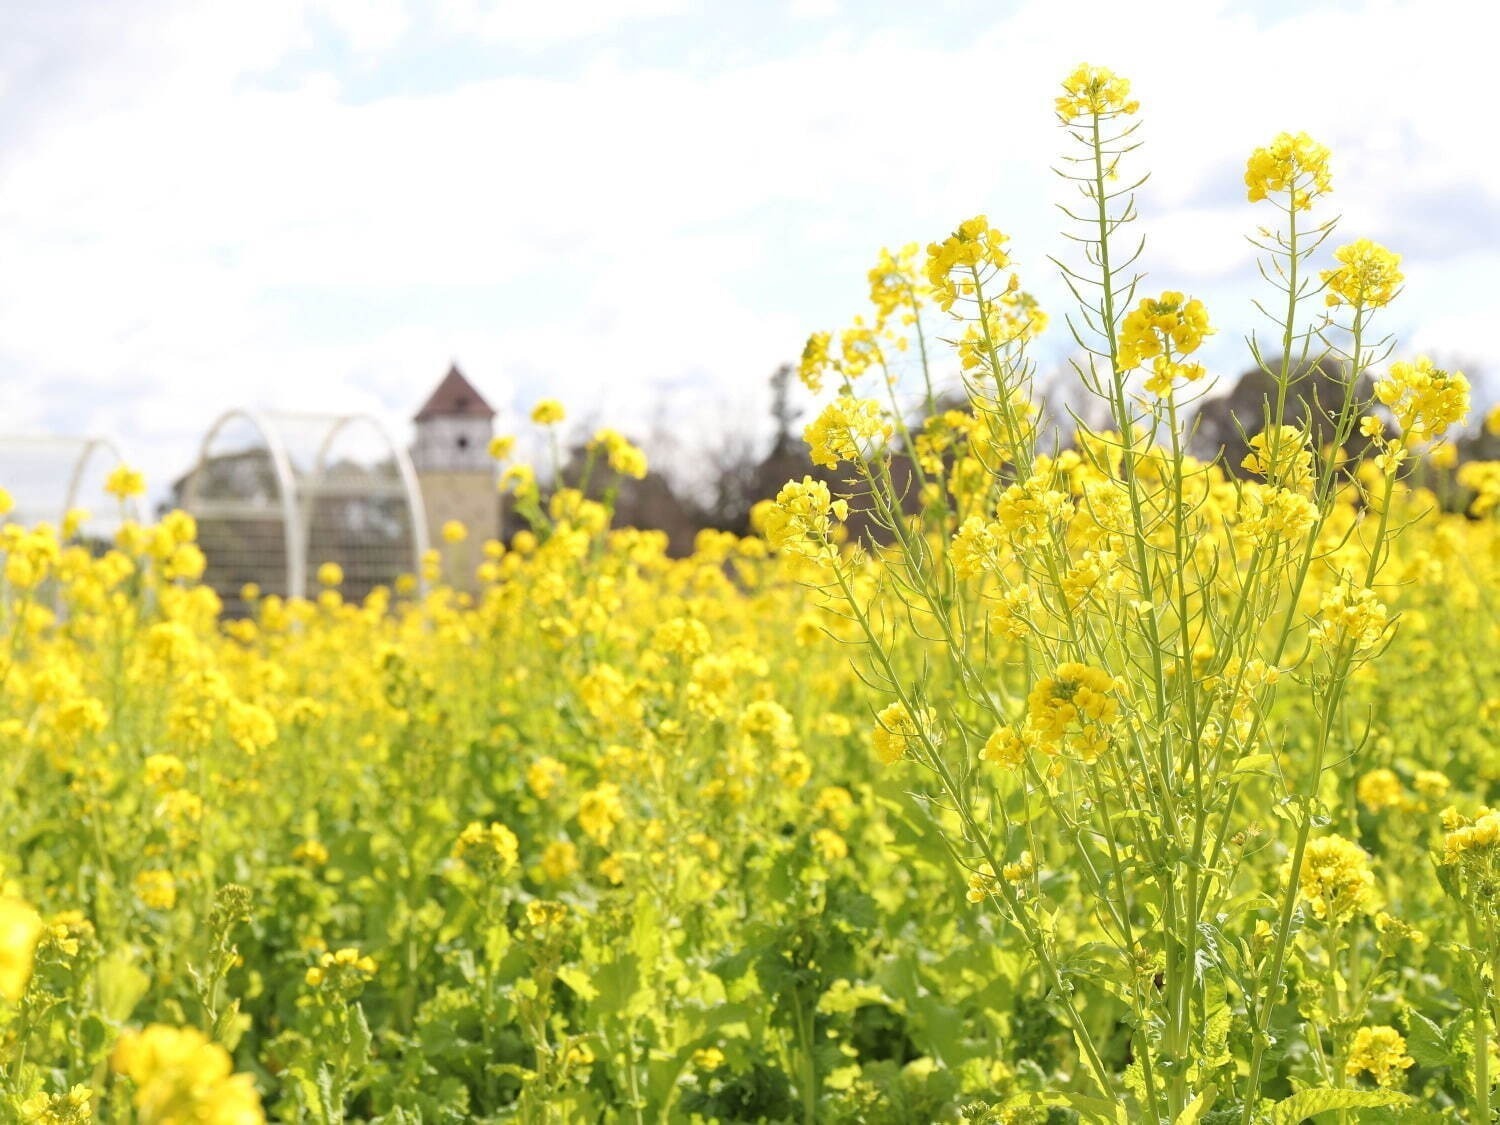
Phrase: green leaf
{"type": "Point", "coordinates": [1254, 763]}
{"type": "Point", "coordinates": [578, 980]}
{"type": "Point", "coordinates": [94, 1034]}
{"type": "Point", "coordinates": [357, 1037]}
{"type": "Point", "coordinates": [122, 983]}
{"type": "Point", "coordinates": [1193, 1111]}
{"type": "Point", "coordinates": [330, 1102]}
{"type": "Point", "coordinates": [1310, 1103]}
{"type": "Point", "coordinates": [1425, 1042]}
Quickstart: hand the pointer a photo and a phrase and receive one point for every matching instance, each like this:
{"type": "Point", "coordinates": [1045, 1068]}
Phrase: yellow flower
{"type": "Point", "coordinates": [1023, 868]}
{"type": "Point", "coordinates": [897, 732]}
{"type": "Point", "coordinates": [1028, 511]}
{"type": "Point", "coordinates": [1425, 399]}
{"type": "Point", "coordinates": [1293, 163]}
{"type": "Point", "coordinates": [612, 868]}
{"type": "Point", "coordinates": [1474, 840]}
{"type": "Point", "coordinates": [1431, 783]}
{"type": "Point", "coordinates": [859, 349]}
{"type": "Point", "coordinates": [1336, 879]}
{"type": "Point", "coordinates": [164, 772]}
{"type": "Point", "coordinates": [559, 860]}
{"type": "Point", "coordinates": [624, 458]}
{"type": "Point", "coordinates": [454, 531]}
{"type": "Point", "coordinates": [543, 914]}
{"type": "Point", "coordinates": [976, 547]}
{"type": "Point", "coordinates": [20, 928]}
{"type": "Point", "coordinates": [1379, 790]}
{"type": "Point", "coordinates": [548, 412]}
{"type": "Point", "coordinates": [1282, 458]}
{"type": "Point", "coordinates": [1367, 276]}
{"type": "Point", "coordinates": [250, 727]}
{"type": "Point", "coordinates": [345, 971]}
{"type": "Point", "coordinates": [330, 574]}
{"type": "Point", "coordinates": [311, 852]}
{"type": "Point", "coordinates": [75, 1107]}
{"type": "Point", "coordinates": [1380, 1051]}
{"type": "Point", "coordinates": [599, 810]}
{"type": "Point", "coordinates": [1164, 326]}
{"type": "Point", "coordinates": [844, 429]}
{"type": "Point", "coordinates": [1075, 707]}
{"type": "Point", "coordinates": [982, 883]}
{"type": "Point", "coordinates": [1095, 91]}
{"type": "Point", "coordinates": [708, 1058]}
{"type": "Point", "coordinates": [544, 775]}
{"type": "Point", "coordinates": [815, 361]}
{"type": "Point", "coordinates": [829, 845]}
{"type": "Point", "coordinates": [519, 480]}
{"type": "Point", "coordinates": [893, 283]}
{"type": "Point", "coordinates": [502, 446]}
{"type": "Point", "coordinates": [493, 849]}
{"type": "Point", "coordinates": [182, 1078]}
{"type": "Point", "coordinates": [1350, 613]}
{"type": "Point", "coordinates": [802, 519]}
{"type": "Point", "coordinates": [124, 482]}
{"type": "Point", "coordinates": [157, 889]}
{"type": "Point", "coordinates": [1004, 747]}
{"type": "Point", "coordinates": [974, 249]}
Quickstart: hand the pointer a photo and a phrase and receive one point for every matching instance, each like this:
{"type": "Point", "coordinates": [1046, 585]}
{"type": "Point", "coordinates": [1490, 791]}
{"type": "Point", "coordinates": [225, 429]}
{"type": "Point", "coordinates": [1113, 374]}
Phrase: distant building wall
{"type": "Point", "coordinates": [452, 444]}
{"type": "Point", "coordinates": [473, 499]}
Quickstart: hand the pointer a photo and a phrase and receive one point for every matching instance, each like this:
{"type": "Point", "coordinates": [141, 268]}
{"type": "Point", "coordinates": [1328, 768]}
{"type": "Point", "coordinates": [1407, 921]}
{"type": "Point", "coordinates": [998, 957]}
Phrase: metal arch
{"type": "Point", "coordinates": [286, 483]}
{"type": "Point", "coordinates": [91, 446]}
{"type": "Point", "coordinates": [416, 507]}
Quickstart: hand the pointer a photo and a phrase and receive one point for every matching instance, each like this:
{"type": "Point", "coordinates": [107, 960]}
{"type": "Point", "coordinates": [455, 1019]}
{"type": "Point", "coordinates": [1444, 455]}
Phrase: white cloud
{"type": "Point", "coordinates": [180, 236]}
{"type": "Point", "coordinates": [527, 24]}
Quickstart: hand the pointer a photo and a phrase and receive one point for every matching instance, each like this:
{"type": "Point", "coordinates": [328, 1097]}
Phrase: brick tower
{"type": "Point", "coordinates": [452, 459]}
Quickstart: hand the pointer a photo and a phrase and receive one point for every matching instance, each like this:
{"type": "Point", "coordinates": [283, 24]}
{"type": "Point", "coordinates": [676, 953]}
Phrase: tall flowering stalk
{"type": "Point", "coordinates": [1090, 644]}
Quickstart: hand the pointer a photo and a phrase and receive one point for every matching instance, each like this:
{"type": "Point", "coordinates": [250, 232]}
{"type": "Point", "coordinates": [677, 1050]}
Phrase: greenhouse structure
{"type": "Point", "coordinates": [276, 495]}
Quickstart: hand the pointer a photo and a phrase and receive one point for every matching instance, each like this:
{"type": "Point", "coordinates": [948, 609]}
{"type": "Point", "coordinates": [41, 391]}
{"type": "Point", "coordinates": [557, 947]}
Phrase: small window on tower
{"type": "Point", "coordinates": [463, 441]}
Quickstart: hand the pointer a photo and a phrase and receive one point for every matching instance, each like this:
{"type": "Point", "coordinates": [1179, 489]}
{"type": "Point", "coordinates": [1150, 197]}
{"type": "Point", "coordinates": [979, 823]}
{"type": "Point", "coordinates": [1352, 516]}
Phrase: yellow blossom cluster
{"type": "Point", "coordinates": [1381, 1053]}
{"type": "Point", "coordinates": [1351, 615]}
{"type": "Point", "coordinates": [1475, 839]}
{"type": "Point", "coordinates": [1094, 91]}
{"type": "Point", "coordinates": [20, 928]}
{"type": "Point", "coordinates": [898, 733]}
{"type": "Point", "coordinates": [1163, 330]}
{"type": "Point", "coordinates": [1368, 275]}
{"type": "Point", "coordinates": [1074, 710]}
{"type": "Point", "coordinates": [1336, 880]}
{"type": "Point", "coordinates": [1293, 163]}
{"type": "Point", "coordinates": [624, 457]}
{"type": "Point", "coordinates": [802, 520]}
{"type": "Point", "coordinates": [845, 430]}
{"type": "Point", "coordinates": [1281, 456]}
{"type": "Point", "coordinates": [490, 848]}
{"type": "Point", "coordinates": [70, 1107]}
{"type": "Point", "coordinates": [895, 284]}
{"type": "Point", "coordinates": [344, 969]}
{"type": "Point", "coordinates": [961, 263]}
{"type": "Point", "coordinates": [1425, 399]}
{"type": "Point", "coordinates": [179, 1076]}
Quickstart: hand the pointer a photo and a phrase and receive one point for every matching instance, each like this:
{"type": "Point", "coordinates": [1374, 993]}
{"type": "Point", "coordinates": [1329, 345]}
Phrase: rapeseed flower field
{"type": "Point", "coordinates": [1096, 781]}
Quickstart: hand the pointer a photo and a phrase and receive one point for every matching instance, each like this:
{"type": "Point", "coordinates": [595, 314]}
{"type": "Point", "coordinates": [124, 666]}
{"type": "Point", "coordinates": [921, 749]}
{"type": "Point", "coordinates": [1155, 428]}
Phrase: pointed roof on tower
{"type": "Point", "coordinates": [455, 397]}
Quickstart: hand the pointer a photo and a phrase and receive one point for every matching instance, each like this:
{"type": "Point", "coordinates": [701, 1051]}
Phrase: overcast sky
{"type": "Point", "coordinates": [643, 206]}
